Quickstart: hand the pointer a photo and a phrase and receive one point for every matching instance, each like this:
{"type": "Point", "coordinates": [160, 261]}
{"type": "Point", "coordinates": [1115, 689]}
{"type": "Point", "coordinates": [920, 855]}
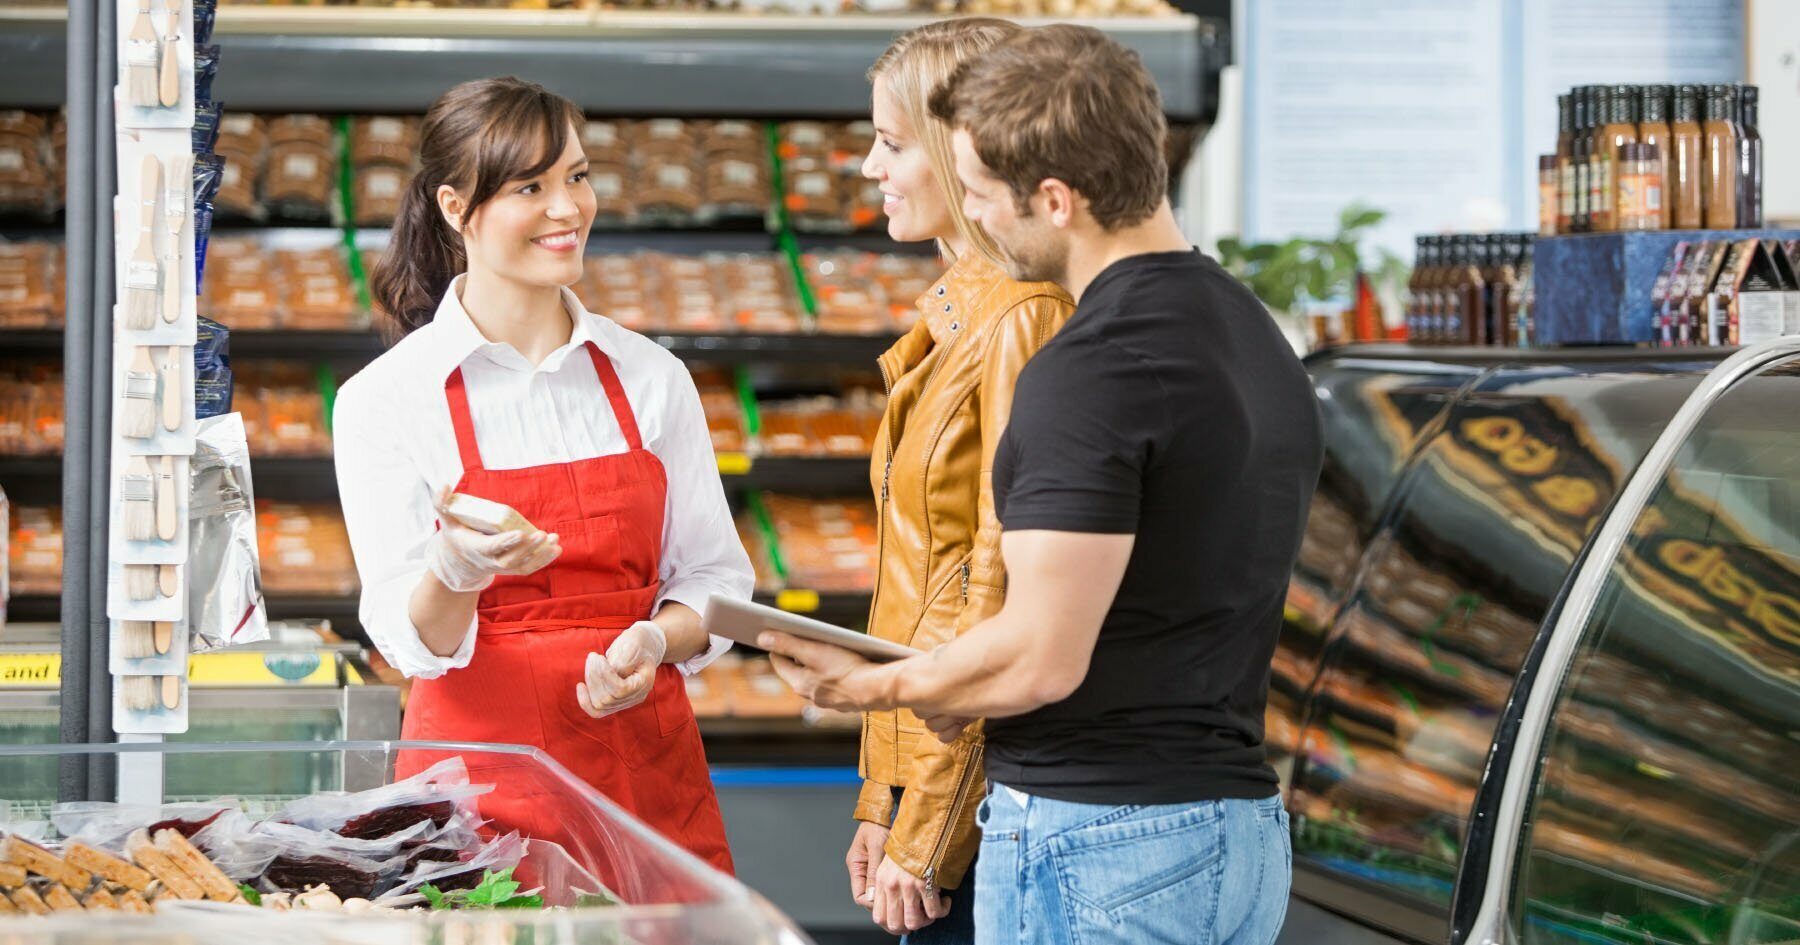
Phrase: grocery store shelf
{"type": "Point", "coordinates": [358, 347]}
{"type": "Point", "coordinates": [846, 609]}
{"type": "Point", "coordinates": [313, 479]}
{"type": "Point", "coordinates": [613, 62]}
{"type": "Point", "coordinates": [31, 480]}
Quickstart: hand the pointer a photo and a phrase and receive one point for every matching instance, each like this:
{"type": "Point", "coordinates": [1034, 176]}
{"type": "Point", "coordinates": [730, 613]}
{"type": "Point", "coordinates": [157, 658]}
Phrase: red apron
{"type": "Point", "coordinates": [534, 633]}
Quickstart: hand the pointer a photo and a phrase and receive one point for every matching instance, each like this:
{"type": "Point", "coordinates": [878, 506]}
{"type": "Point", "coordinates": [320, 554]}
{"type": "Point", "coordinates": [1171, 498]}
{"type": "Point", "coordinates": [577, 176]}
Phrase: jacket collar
{"type": "Point", "coordinates": [946, 307]}
{"type": "Point", "coordinates": [452, 337]}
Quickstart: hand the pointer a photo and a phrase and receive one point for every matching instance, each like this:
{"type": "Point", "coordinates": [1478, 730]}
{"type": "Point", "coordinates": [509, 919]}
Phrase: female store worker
{"type": "Point", "coordinates": [950, 384]}
{"type": "Point", "coordinates": [572, 638]}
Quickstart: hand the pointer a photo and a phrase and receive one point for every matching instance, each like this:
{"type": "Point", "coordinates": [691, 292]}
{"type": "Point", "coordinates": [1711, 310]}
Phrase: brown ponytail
{"type": "Point", "coordinates": [476, 138]}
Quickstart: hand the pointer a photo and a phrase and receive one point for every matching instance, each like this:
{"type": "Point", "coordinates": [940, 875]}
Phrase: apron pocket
{"type": "Point", "coordinates": [673, 710]}
{"type": "Point", "coordinates": [590, 559]}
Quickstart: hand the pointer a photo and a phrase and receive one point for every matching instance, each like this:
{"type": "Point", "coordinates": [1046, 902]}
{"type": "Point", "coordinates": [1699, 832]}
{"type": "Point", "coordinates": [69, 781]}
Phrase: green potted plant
{"type": "Point", "coordinates": [1302, 273]}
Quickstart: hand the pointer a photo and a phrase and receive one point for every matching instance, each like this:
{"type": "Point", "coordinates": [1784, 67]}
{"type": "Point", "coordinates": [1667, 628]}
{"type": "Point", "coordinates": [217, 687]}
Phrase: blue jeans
{"type": "Point", "coordinates": [1060, 873]}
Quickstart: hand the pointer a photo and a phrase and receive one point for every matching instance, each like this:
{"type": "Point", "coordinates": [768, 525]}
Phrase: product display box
{"type": "Point", "coordinates": [1595, 288]}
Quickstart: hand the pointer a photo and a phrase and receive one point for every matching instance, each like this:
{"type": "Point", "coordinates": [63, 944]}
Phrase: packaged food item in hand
{"type": "Point", "coordinates": [485, 515]}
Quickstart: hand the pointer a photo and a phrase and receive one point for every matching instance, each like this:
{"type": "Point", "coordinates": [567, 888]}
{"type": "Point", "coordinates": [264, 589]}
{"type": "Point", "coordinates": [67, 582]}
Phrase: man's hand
{"type": "Point", "coordinates": [867, 852]}
{"type": "Point", "coordinates": [903, 903]}
{"type": "Point", "coordinates": [947, 728]}
{"type": "Point", "coordinates": [829, 677]}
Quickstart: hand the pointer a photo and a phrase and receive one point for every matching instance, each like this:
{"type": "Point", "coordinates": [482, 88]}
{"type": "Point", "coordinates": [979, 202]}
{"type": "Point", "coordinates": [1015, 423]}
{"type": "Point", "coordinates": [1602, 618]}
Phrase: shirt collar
{"type": "Point", "coordinates": [454, 338]}
{"type": "Point", "coordinates": [945, 308]}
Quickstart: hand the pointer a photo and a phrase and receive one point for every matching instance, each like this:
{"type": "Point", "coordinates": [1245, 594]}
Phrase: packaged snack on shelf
{"type": "Point", "coordinates": [299, 177]}
{"type": "Point", "coordinates": [311, 130]}
{"type": "Point", "coordinates": [304, 549]}
{"type": "Point", "coordinates": [707, 690]}
{"type": "Point", "coordinates": [212, 370]}
{"type": "Point", "coordinates": [34, 550]}
{"type": "Point", "coordinates": [604, 142]}
{"type": "Point", "coordinates": [662, 137]}
{"type": "Point", "coordinates": [26, 167]}
{"type": "Point", "coordinates": [611, 181]}
{"type": "Point", "coordinates": [31, 284]}
{"type": "Point", "coordinates": [733, 139]}
{"type": "Point", "coordinates": [383, 139]}
{"type": "Point", "coordinates": [724, 411]}
{"type": "Point", "coordinates": [242, 137]}
{"type": "Point", "coordinates": [827, 544]}
{"type": "Point", "coordinates": [375, 193]}
{"type": "Point", "coordinates": [668, 189]}
{"type": "Point", "coordinates": [317, 292]}
{"type": "Point", "coordinates": [750, 534]}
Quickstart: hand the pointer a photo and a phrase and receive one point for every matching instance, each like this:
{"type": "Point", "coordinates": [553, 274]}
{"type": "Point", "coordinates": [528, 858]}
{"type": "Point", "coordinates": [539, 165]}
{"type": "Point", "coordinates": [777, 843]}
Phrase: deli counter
{"type": "Point", "coordinates": [1539, 675]}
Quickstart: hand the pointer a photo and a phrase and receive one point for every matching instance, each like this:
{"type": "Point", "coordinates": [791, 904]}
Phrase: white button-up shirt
{"type": "Point", "coordinates": [396, 449]}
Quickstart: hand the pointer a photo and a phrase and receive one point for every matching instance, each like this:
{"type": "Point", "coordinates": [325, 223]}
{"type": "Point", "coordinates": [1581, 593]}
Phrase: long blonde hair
{"type": "Point", "coordinates": [917, 62]}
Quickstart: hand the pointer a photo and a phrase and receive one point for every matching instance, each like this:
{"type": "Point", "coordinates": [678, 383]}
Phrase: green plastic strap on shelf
{"type": "Point", "coordinates": [784, 228]}
{"type": "Point", "coordinates": [327, 381]}
{"type": "Point", "coordinates": [747, 400]}
{"type": "Point", "coordinates": [347, 204]}
{"type": "Point", "coordinates": [766, 526]}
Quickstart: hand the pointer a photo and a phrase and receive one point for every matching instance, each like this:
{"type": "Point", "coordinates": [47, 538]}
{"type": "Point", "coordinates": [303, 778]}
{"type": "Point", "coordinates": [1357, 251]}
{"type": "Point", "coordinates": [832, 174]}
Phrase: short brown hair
{"type": "Point", "coordinates": [1065, 102]}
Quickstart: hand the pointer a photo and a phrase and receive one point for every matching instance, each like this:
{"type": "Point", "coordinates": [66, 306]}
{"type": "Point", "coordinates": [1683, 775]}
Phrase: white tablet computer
{"type": "Point", "coordinates": [743, 621]}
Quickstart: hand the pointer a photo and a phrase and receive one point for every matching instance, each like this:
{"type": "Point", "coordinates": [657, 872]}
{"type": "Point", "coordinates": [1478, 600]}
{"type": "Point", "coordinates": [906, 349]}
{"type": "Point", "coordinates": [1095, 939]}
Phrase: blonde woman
{"type": "Point", "coordinates": [950, 383]}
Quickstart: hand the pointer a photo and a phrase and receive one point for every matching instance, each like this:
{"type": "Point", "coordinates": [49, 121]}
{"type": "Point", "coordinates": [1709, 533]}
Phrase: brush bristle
{"type": "Point", "coordinates": [140, 581]}
{"type": "Point", "coordinates": [137, 418]}
{"type": "Point", "coordinates": [143, 73]}
{"type": "Point", "coordinates": [137, 639]}
{"type": "Point", "coordinates": [140, 521]}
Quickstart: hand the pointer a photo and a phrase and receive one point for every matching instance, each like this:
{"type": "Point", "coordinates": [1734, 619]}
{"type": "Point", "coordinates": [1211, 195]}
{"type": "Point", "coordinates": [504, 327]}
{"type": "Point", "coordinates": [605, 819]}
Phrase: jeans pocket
{"type": "Point", "coordinates": [1150, 878]}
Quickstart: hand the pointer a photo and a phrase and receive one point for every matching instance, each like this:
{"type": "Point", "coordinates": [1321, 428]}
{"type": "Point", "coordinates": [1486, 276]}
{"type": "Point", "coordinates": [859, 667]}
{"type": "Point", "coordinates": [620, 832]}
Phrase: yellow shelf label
{"type": "Point", "coordinates": [262, 669]}
{"type": "Point", "coordinates": [30, 670]}
{"type": "Point", "coordinates": [734, 464]}
{"type": "Point", "coordinates": [798, 602]}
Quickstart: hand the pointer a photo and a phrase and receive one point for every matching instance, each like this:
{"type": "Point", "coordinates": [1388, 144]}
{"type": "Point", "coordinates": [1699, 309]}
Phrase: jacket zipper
{"type": "Point", "coordinates": [956, 806]}
{"type": "Point", "coordinates": [965, 583]}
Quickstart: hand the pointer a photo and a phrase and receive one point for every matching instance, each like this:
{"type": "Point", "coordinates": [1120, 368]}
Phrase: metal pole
{"type": "Point", "coordinates": [101, 771]}
{"type": "Point", "coordinates": [78, 547]}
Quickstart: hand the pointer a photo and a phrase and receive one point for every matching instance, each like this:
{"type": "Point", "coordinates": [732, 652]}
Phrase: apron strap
{"type": "Point", "coordinates": [615, 394]}
{"type": "Point", "coordinates": [460, 421]}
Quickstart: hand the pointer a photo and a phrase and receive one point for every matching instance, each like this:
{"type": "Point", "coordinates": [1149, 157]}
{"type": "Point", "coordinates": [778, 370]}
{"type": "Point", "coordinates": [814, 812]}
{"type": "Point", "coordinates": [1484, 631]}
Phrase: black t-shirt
{"type": "Point", "coordinates": [1171, 408]}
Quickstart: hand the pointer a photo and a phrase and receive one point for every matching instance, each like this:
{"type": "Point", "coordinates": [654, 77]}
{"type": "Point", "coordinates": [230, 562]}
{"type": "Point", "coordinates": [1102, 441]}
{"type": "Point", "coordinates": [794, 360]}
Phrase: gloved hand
{"type": "Point", "coordinates": [466, 560]}
{"type": "Point", "coordinates": [623, 677]}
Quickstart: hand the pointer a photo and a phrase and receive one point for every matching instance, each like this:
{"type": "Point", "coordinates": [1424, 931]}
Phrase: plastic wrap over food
{"type": "Point", "coordinates": [225, 600]}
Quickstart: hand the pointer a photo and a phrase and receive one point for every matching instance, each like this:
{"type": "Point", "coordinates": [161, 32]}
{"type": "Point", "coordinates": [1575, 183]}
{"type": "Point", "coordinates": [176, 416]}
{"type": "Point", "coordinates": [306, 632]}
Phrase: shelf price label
{"type": "Point", "coordinates": [734, 464]}
{"type": "Point", "coordinates": [797, 601]}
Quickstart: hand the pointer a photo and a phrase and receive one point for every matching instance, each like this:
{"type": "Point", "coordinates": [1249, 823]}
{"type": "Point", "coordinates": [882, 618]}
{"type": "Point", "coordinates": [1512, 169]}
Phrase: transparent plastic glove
{"type": "Point", "coordinates": [623, 677]}
{"type": "Point", "coordinates": [466, 560]}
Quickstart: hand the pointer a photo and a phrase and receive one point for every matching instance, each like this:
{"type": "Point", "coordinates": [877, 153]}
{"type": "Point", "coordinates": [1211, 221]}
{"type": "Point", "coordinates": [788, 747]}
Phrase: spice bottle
{"type": "Point", "coordinates": [1620, 129]}
{"type": "Point", "coordinates": [1640, 187]}
{"type": "Point", "coordinates": [1547, 194]}
{"type": "Point", "coordinates": [1686, 140]}
{"type": "Point", "coordinates": [1431, 302]}
{"type": "Point", "coordinates": [1653, 129]}
{"type": "Point", "coordinates": [1469, 312]}
{"type": "Point", "coordinates": [1719, 158]}
{"type": "Point", "coordinates": [1750, 160]}
{"type": "Point", "coordinates": [1503, 277]}
{"type": "Point", "coordinates": [1581, 154]}
{"type": "Point", "coordinates": [1415, 289]}
{"type": "Point", "coordinates": [1565, 168]}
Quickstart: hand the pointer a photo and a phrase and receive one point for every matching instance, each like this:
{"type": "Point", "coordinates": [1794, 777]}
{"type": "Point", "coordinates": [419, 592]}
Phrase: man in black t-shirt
{"type": "Point", "coordinates": [1152, 485]}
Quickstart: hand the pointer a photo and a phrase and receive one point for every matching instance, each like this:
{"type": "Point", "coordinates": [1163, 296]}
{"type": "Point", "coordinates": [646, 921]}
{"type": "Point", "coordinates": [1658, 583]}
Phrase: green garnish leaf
{"type": "Point", "coordinates": [251, 896]}
{"type": "Point", "coordinates": [522, 902]}
{"type": "Point", "coordinates": [434, 896]}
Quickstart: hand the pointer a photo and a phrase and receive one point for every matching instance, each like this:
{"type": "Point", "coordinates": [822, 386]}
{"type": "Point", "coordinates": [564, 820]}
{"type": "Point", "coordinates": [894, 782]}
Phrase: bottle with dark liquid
{"type": "Point", "coordinates": [1619, 129]}
{"type": "Point", "coordinates": [1565, 164]}
{"type": "Point", "coordinates": [1653, 129]}
{"type": "Point", "coordinates": [1415, 289]}
{"type": "Point", "coordinates": [1470, 291]}
{"type": "Point", "coordinates": [1720, 159]}
{"type": "Point", "coordinates": [1687, 145]}
{"type": "Point", "coordinates": [1750, 161]}
{"type": "Point", "coordinates": [1581, 153]}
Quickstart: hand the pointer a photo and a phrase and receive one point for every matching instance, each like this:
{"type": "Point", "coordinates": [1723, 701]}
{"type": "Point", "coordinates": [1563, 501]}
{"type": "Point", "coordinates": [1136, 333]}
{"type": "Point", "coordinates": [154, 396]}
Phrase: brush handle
{"type": "Point", "coordinates": [163, 637]}
{"type": "Point", "coordinates": [165, 580]}
{"type": "Point", "coordinates": [165, 500]}
{"type": "Point", "coordinates": [172, 390]}
{"type": "Point", "coordinates": [149, 188]}
{"type": "Point", "coordinates": [177, 183]}
{"type": "Point", "coordinates": [170, 88]}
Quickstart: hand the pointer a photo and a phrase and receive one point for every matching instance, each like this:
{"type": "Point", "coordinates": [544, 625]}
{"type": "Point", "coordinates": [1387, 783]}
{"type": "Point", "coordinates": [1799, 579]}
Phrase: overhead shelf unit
{"type": "Point", "coordinates": [612, 62]}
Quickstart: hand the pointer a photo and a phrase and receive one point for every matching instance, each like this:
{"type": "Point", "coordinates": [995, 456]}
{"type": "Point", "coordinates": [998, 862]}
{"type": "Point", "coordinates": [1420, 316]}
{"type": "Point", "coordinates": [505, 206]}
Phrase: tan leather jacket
{"type": "Point", "coordinates": [950, 384]}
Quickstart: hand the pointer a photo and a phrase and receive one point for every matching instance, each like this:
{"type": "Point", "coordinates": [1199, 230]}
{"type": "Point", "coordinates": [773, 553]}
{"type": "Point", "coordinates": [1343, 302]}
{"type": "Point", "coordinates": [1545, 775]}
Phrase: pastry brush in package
{"type": "Point", "coordinates": [485, 515]}
{"type": "Point", "coordinates": [225, 600]}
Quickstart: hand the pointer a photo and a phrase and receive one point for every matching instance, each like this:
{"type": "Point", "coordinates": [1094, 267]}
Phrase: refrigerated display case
{"type": "Point", "coordinates": [611, 879]}
{"type": "Point", "coordinates": [1540, 672]}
